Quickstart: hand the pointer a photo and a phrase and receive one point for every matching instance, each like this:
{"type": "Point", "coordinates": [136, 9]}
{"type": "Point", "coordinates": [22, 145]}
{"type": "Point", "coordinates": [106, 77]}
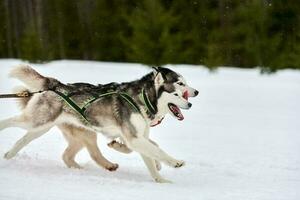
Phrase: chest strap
{"type": "Point", "coordinates": [147, 102]}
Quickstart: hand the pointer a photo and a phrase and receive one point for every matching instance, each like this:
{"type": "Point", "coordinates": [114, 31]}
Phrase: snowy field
{"type": "Point", "coordinates": [240, 141]}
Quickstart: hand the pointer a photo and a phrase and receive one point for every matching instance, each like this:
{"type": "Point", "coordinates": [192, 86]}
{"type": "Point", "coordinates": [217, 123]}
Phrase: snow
{"type": "Point", "coordinates": [240, 141]}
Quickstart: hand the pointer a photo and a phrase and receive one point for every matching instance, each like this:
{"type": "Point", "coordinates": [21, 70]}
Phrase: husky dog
{"type": "Point", "coordinates": [78, 138]}
{"type": "Point", "coordinates": [128, 118]}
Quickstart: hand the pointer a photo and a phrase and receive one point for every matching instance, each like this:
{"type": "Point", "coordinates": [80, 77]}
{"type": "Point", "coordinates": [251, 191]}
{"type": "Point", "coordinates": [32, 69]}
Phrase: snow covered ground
{"type": "Point", "coordinates": [240, 141]}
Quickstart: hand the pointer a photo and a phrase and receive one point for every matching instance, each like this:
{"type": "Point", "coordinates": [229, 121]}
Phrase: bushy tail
{"type": "Point", "coordinates": [30, 77]}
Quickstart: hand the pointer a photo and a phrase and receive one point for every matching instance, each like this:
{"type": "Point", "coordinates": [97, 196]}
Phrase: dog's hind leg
{"type": "Point", "coordinates": [79, 138]}
{"type": "Point", "coordinates": [89, 139]}
{"type": "Point", "coordinates": [74, 146]}
{"type": "Point", "coordinates": [70, 153]}
{"type": "Point", "coordinates": [17, 121]}
{"type": "Point", "coordinates": [26, 139]}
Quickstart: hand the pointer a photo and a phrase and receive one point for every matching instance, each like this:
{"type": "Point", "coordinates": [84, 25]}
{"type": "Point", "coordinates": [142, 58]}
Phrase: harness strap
{"type": "Point", "coordinates": [95, 98]}
{"type": "Point", "coordinates": [130, 101]}
{"type": "Point", "coordinates": [81, 111]}
{"type": "Point", "coordinates": [72, 104]}
{"type": "Point", "coordinates": [147, 102]}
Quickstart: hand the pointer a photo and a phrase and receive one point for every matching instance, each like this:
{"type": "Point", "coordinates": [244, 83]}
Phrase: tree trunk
{"type": "Point", "coordinates": [8, 29]}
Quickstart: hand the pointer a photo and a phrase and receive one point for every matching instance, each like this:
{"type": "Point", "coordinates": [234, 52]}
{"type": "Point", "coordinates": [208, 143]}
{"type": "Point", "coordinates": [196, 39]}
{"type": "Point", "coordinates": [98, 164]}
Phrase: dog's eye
{"type": "Point", "coordinates": [181, 83]}
{"type": "Point", "coordinates": [176, 94]}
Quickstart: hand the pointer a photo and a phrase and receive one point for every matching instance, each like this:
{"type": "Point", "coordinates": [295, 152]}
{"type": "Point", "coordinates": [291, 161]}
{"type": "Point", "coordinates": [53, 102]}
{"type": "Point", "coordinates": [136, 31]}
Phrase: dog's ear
{"type": "Point", "coordinates": [157, 71]}
{"type": "Point", "coordinates": [159, 80]}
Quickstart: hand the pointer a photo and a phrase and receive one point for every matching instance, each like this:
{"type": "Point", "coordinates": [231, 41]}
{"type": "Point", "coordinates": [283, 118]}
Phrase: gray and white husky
{"type": "Point", "coordinates": [154, 95]}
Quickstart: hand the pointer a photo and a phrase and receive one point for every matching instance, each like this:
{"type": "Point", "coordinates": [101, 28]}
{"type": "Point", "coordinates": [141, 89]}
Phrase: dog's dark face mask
{"type": "Point", "coordinates": [175, 98]}
{"type": "Point", "coordinates": [178, 81]}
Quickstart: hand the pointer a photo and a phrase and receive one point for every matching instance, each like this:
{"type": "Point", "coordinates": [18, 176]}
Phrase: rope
{"type": "Point", "coordinates": [24, 94]}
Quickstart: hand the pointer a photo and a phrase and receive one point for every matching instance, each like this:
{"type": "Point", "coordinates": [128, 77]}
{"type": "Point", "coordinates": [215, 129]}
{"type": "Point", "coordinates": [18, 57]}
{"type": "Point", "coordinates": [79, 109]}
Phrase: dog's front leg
{"type": "Point", "coordinates": [145, 147]}
{"type": "Point", "coordinates": [124, 149]}
{"type": "Point", "coordinates": [150, 163]}
{"type": "Point", "coordinates": [157, 163]}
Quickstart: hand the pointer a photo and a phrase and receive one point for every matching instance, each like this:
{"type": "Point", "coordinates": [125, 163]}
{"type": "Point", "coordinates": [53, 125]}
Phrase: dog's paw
{"type": "Point", "coordinates": [112, 167]}
{"type": "Point", "coordinates": [9, 155]}
{"type": "Point", "coordinates": [112, 143]}
{"type": "Point", "coordinates": [72, 164]}
{"type": "Point", "coordinates": [75, 166]}
{"type": "Point", "coordinates": [162, 180]}
{"type": "Point", "coordinates": [179, 163]}
{"type": "Point", "coordinates": [176, 163]}
{"type": "Point", "coordinates": [119, 147]}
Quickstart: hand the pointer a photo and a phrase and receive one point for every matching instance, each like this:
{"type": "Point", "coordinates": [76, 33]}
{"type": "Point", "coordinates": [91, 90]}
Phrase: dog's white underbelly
{"type": "Point", "coordinates": [110, 131]}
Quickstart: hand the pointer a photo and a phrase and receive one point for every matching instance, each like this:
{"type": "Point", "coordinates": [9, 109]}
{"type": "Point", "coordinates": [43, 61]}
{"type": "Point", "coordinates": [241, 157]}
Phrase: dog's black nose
{"type": "Point", "coordinates": [190, 105]}
{"type": "Point", "coordinates": [196, 92]}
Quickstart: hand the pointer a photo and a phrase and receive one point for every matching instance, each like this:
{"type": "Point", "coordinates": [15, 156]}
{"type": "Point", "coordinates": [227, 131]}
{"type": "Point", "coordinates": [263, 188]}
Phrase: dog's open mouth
{"type": "Point", "coordinates": [186, 95]}
{"type": "Point", "coordinates": [176, 111]}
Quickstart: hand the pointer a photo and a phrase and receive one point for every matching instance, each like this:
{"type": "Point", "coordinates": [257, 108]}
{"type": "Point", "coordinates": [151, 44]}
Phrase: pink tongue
{"type": "Point", "coordinates": [186, 95]}
{"type": "Point", "coordinates": [180, 114]}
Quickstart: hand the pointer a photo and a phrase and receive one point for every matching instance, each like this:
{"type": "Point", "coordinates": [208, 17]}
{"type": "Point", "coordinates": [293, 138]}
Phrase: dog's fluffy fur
{"type": "Point", "coordinates": [111, 116]}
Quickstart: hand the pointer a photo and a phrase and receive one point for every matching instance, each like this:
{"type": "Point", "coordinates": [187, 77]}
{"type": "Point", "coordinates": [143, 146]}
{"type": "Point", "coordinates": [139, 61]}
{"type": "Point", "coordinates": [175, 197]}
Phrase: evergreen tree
{"type": "Point", "coordinates": [31, 47]}
{"type": "Point", "coordinates": [192, 27]}
{"type": "Point", "coordinates": [211, 32]}
{"type": "Point", "coordinates": [283, 31]}
{"type": "Point", "coordinates": [3, 42]}
{"type": "Point", "coordinates": [152, 41]}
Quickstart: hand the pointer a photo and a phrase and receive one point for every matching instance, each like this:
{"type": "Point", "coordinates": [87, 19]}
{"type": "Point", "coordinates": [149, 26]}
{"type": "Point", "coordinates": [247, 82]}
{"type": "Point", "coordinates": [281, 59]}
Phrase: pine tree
{"type": "Point", "coordinates": [283, 32]}
{"type": "Point", "coordinates": [31, 46]}
{"type": "Point", "coordinates": [3, 42]}
{"type": "Point", "coordinates": [151, 41]}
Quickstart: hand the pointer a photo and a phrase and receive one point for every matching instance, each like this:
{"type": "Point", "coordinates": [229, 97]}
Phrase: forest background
{"type": "Point", "coordinates": [246, 34]}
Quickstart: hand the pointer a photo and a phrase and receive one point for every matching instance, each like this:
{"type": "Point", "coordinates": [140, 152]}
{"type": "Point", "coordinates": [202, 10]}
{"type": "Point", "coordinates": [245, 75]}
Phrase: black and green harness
{"type": "Point", "coordinates": [95, 96]}
{"type": "Point", "coordinates": [67, 98]}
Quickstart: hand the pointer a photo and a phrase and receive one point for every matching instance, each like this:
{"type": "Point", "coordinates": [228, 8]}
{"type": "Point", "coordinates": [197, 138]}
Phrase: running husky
{"type": "Point", "coordinates": [78, 138]}
{"type": "Point", "coordinates": [126, 111]}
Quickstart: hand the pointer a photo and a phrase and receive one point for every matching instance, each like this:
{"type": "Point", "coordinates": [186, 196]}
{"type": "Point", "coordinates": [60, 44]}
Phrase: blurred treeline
{"type": "Point", "coordinates": [243, 33]}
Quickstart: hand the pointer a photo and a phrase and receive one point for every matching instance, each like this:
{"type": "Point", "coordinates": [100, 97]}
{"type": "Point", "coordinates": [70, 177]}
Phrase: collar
{"type": "Point", "coordinates": [147, 102]}
{"type": "Point", "coordinates": [158, 122]}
